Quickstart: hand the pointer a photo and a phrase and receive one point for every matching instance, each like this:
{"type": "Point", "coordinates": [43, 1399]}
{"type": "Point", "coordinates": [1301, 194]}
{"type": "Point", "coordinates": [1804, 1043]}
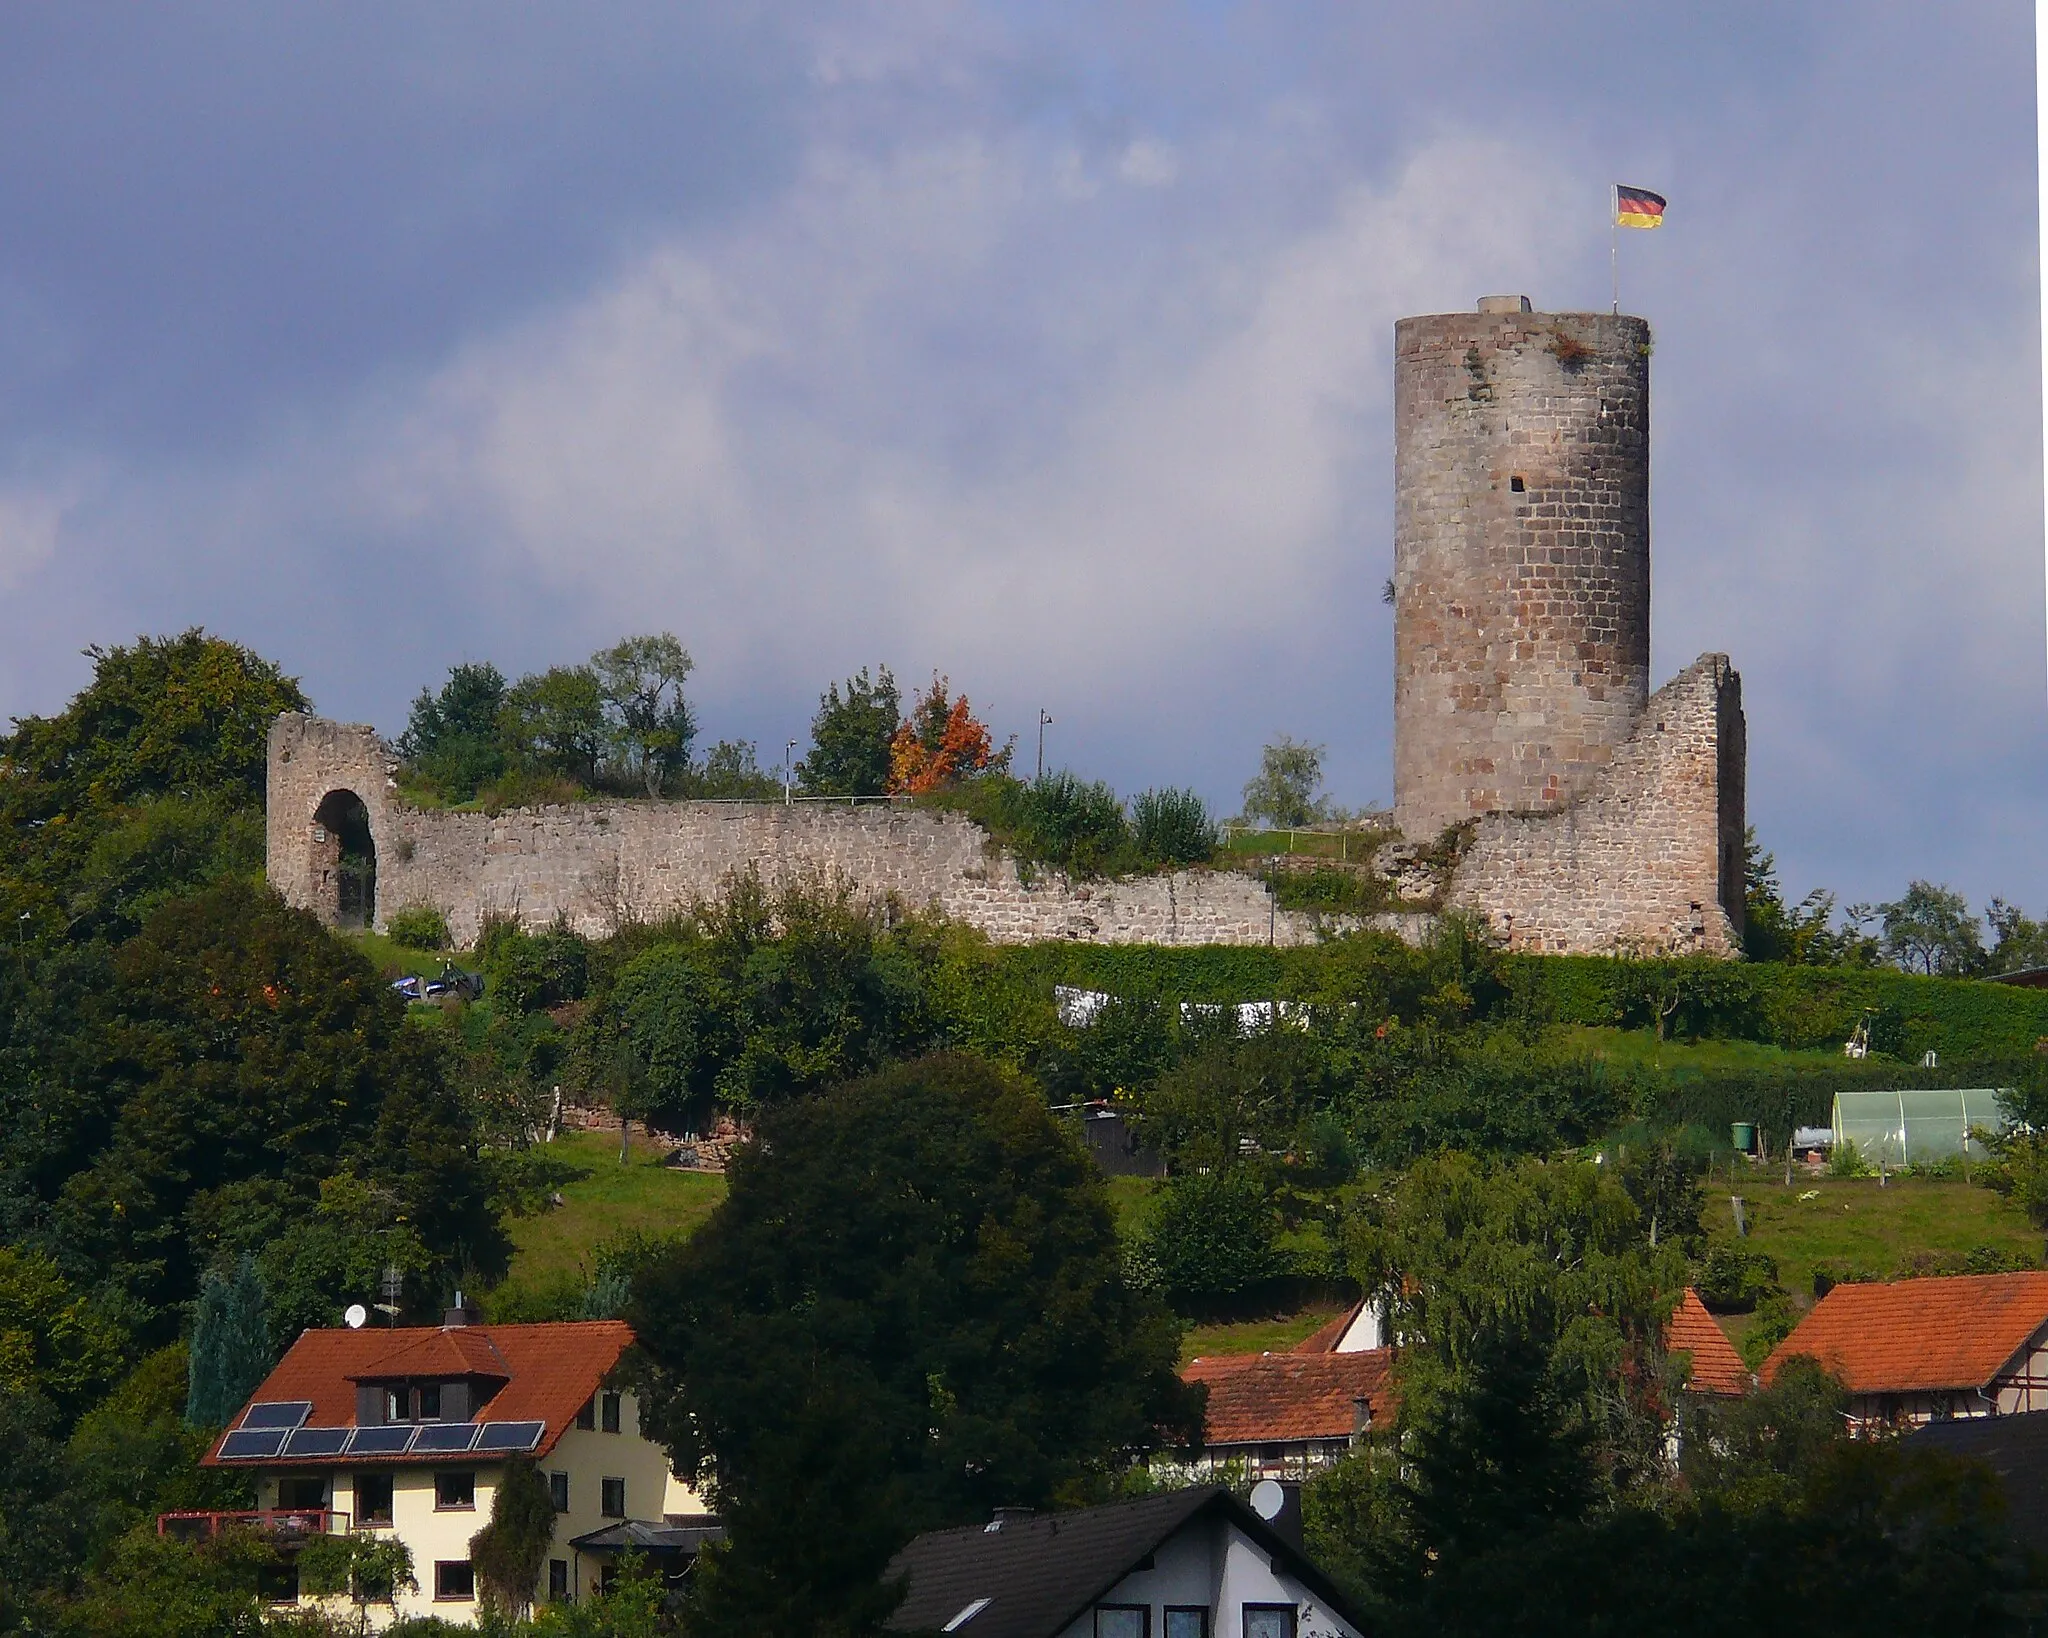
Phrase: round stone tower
{"type": "Point", "coordinates": [1521, 555]}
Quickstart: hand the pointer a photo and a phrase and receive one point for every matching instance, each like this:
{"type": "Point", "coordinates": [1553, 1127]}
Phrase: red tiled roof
{"type": "Point", "coordinates": [1273, 1398]}
{"type": "Point", "coordinates": [462, 1350]}
{"type": "Point", "coordinates": [1716, 1367]}
{"type": "Point", "coordinates": [549, 1371]}
{"type": "Point", "coordinates": [1957, 1332]}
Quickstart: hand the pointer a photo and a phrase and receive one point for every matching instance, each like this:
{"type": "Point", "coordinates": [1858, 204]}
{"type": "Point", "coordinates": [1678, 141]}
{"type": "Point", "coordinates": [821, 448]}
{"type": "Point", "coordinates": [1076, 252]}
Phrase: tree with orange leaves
{"type": "Point", "coordinates": [940, 743]}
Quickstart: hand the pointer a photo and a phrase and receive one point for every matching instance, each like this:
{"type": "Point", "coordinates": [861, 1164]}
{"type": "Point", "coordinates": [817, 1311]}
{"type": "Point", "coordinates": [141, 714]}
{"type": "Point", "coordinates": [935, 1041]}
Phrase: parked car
{"type": "Point", "coordinates": [452, 984]}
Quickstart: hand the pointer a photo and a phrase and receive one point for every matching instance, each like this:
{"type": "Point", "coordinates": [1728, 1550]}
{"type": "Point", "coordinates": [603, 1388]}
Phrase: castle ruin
{"type": "Point", "coordinates": [1584, 813]}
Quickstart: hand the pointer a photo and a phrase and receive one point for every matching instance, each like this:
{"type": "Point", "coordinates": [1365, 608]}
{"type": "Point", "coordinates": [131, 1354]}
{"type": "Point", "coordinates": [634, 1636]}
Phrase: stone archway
{"type": "Point", "coordinates": [344, 862]}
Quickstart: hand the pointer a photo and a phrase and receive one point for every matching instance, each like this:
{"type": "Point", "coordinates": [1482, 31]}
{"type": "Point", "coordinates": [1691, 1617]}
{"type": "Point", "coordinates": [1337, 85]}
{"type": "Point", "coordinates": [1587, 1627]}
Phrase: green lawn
{"type": "Point", "coordinates": [552, 1249]}
{"type": "Point", "coordinates": [394, 960]}
{"type": "Point", "coordinates": [1640, 1048]}
{"type": "Point", "coordinates": [1260, 1336]}
{"type": "Point", "coordinates": [1858, 1224]}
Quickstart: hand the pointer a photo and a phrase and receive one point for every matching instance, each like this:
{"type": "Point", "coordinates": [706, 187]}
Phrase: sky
{"type": "Point", "coordinates": [1047, 346]}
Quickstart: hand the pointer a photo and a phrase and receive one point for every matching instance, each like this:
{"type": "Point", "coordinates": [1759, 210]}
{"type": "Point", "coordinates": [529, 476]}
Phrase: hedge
{"type": "Point", "coordinates": [1796, 1008]}
{"type": "Point", "coordinates": [1793, 1007]}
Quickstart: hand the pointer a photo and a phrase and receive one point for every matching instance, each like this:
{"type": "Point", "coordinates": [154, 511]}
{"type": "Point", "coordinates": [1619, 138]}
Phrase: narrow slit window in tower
{"type": "Point", "coordinates": [1515, 483]}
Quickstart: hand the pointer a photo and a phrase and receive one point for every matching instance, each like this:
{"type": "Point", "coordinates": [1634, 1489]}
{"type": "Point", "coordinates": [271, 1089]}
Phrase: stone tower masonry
{"type": "Point", "coordinates": [1521, 557]}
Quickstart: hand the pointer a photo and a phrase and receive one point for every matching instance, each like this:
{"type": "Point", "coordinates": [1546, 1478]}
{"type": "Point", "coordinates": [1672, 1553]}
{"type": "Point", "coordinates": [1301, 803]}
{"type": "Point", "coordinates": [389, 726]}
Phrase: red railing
{"type": "Point", "coordinates": [281, 1524]}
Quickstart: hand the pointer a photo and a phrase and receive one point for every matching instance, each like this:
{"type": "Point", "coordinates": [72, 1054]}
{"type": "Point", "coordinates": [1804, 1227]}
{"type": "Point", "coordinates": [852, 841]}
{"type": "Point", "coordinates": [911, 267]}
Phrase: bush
{"type": "Point", "coordinates": [1212, 1236]}
{"type": "Point", "coordinates": [1173, 827]}
{"type": "Point", "coordinates": [1734, 1280]}
{"type": "Point", "coordinates": [1076, 824]}
{"type": "Point", "coordinates": [530, 971]}
{"type": "Point", "coordinates": [419, 927]}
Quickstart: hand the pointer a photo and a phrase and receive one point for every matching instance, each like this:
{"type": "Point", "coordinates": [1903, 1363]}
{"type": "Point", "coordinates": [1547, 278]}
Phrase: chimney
{"type": "Point", "coordinates": [1361, 1416]}
{"type": "Point", "coordinates": [1003, 1516]}
{"type": "Point", "coordinates": [460, 1314]}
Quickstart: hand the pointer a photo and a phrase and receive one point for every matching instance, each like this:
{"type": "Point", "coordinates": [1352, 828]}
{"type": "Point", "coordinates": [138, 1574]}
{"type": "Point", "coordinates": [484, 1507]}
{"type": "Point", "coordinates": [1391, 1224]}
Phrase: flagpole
{"type": "Point", "coordinates": [1614, 233]}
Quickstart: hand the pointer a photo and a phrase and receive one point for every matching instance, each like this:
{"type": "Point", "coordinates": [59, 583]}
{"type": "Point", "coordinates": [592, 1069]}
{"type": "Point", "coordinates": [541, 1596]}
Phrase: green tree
{"type": "Point", "coordinates": [363, 1568]}
{"type": "Point", "coordinates": [54, 1341]}
{"type": "Point", "coordinates": [1531, 1311]}
{"type": "Point", "coordinates": [231, 1349]}
{"type": "Point", "coordinates": [1930, 930]}
{"type": "Point", "coordinates": [652, 726]}
{"type": "Point", "coordinates": [132, 1457]}
{"type": "Point", "coordinates": [908, 1309]}
{"type": "Point", "coordinates": [1801, 935]}
{"type": "Point", "coordinates": [171, 716]}
{"type": "Point", "coordinates": [453, 737]}
{"type": "Point", "coordinates": [157, 1587]}
{"type": "Point", "coordinates": [2020, 941]}
{"type": "Point", "coordinates": [730, 773]}
{"type": "Point", "coordinates": [1662, 1176]}
{"type": "Point", "coordinates": [1076, 825]}
{"type": "Point", "coordinates": [554, 721]}
{"type": "Point", "coordinates": [1286, 792]}
{"type": "Point", "coordinates": [1212, 1236]}
{"type": "Point", "coordinates": [245, 1042]}
{"type": "Point", "coordinates": [38, 1526]}
{"type": "Point", "coordinates": [1173, 827]}
{"type": "Point", "coordinates": [850, 737]}
{"type": "Point", "coordinates": [509, 1551]}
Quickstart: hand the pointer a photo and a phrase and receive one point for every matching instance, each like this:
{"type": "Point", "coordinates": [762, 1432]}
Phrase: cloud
{"type": "Point", "coordinates": [31, 526]}
{"type": "Point", "coordinates": [1050, 351]}
{"type": "Point", "coordinates": [752, 434]}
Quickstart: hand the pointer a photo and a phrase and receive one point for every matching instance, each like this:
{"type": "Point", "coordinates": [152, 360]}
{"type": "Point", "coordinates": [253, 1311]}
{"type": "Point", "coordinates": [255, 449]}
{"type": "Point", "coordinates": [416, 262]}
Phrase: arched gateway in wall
{"type": "Point", "coordinates": [342, 878]}
{"type": "Point", "coordinates": [330, 819]}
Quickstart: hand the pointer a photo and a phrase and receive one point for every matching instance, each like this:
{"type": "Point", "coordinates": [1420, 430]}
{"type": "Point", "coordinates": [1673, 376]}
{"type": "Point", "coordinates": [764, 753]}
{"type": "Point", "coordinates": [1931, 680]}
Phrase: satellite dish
{"type": "Point", "coordinates": [357, 1314]}
{"type": "Point", "coordinates": [1268, 1498]}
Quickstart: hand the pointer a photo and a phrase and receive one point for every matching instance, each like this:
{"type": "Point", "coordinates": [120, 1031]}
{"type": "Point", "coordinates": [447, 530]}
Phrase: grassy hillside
{"type": "Point", "coordinates": [554, 1250]}
{"type": "Point", "coordinates": [1861, 1225]}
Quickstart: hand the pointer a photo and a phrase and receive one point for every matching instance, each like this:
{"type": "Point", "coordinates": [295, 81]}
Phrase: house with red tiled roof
{"type": "Point", "coordinates": [407, 1433]}
{"type": "Point", "coordinates": [1285, 1415]}
{"type": "Point", "coordinates": [1282, 1416]}
{"type": "Point", "coordinates": [1714, 1367]}
{"type": "Point", "coordinates": [1918, 1351]}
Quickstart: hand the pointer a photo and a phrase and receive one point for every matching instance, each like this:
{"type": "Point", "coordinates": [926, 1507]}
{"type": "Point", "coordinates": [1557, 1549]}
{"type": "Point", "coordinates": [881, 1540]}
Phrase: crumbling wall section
{"type": "Point", "coordinates": [1649, 858]}
{"type": "Point", "coordinates": [598, 865]}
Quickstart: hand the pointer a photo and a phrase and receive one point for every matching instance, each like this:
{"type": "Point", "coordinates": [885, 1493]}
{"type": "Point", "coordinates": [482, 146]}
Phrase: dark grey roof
{"type": "Point", "coordinates": [685, 1536]}
{"type": "Point", "coordinates": [2013, 1447]}
{"type": "Point", "coordinates": [1040, 1571]}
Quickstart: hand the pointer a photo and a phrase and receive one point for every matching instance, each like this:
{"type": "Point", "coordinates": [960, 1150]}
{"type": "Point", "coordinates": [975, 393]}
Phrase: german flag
{"type": "Point", "coordinates": [1637, 207]}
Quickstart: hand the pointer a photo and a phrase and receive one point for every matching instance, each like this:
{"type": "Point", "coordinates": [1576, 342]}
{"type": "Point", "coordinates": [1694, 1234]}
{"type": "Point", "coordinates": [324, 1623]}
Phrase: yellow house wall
{"type": "Point", "coordinates": [433, 1534]}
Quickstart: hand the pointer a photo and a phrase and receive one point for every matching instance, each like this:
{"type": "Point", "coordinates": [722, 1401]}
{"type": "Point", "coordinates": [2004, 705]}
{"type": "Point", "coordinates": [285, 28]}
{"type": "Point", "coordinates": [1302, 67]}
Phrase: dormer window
{"type": "Point", "coordinates": [430, 1402]}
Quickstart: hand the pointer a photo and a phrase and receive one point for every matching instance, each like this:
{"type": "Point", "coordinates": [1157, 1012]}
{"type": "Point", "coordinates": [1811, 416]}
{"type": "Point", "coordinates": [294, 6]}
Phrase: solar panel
{"type": "Point", "coordinates": [251, 1444]}
{"type": "Point", "coordinates": [444, 1438]}
{"type": "Point", "coordinates": [278, 1413]}
{"type": "Point", "coordinates": [380, 1441]}
{"type": "Point", "coordinates": [510, 1436]}
{"type": "Point", "coordinates": [316, 1442]}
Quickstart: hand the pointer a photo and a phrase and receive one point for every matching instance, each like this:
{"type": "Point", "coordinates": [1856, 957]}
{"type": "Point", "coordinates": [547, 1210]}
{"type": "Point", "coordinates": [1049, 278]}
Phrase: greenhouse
{"type": "Point", "coordinates": [1918, 1128]}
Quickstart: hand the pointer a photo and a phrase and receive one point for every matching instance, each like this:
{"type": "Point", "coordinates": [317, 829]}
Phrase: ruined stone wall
{"type": "Point", "coordinates": [1648, 858]}
{"type": "Point", "coordinates": [1521, 556]}
{"type": "Point", "coordinates": [600, 864]}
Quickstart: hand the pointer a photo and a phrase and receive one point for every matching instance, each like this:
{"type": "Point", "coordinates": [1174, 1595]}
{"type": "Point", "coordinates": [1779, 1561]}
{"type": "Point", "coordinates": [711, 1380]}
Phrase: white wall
{"type": "Point", "coordinates": [1213, 1563]}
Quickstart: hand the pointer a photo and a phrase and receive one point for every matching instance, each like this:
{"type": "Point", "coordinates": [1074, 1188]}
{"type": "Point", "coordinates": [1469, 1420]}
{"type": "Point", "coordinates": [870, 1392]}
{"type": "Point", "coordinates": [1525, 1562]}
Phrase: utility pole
{"type": "Point", "coordinates": [1045, 721]}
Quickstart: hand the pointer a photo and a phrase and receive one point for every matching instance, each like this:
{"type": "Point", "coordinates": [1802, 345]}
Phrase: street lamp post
{"type": "Point", "coordinates": [788, 751]}
{"type": "Point", "coordinates": [1044, 722]}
